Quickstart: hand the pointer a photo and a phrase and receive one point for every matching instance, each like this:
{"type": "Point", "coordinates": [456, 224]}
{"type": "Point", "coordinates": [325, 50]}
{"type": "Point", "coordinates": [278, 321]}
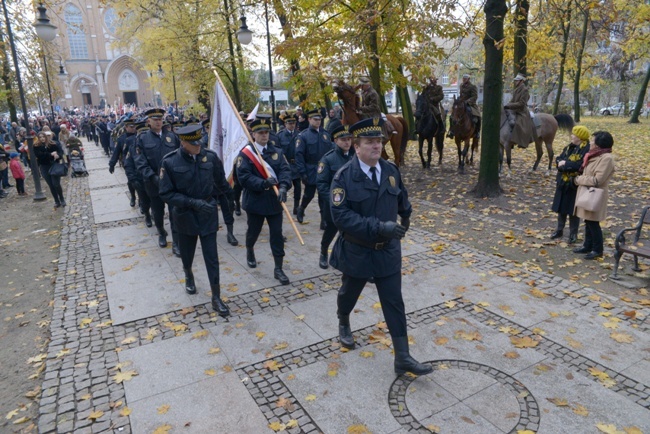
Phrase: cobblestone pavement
{"type": "Point", "coordinates": [512, 348]}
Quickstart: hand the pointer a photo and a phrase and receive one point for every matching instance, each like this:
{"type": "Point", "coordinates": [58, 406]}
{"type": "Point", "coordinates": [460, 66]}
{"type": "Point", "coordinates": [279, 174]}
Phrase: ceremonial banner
{"type": "Point", "coordinates": [228, 134]}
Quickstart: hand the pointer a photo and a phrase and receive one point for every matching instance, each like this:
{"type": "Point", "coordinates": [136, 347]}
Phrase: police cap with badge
{"type": "Point", "coordinates": [155, 113]}
{"type": "Point", "coordinates": [141, 127]}
{"type": "Point", "coordinates": [291, 119]}
{"type": "Point", "coordinates": [371, 127]}
{"type": "Point", "coordinates": [129, 123]}
{"type": "Point", "coordinates": [341, 132]}
{"type": "Point", "coordinates": [314, 114]}
{"type": "Point", "coordinates": [191, 134]}
{"type": "Point", "coordinates": [261, 124]}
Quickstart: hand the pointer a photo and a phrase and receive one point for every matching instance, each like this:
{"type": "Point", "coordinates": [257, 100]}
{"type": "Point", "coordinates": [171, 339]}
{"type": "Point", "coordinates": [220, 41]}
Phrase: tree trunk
{"type": "Point", "coordinates": [521, 37]}
{"type": "Point", "coordinates": [576, 83]}
{"type": "Point", "coordinates": [326, 97]}
{"type": "Point", "coordinates": [639, 100]}
{"type": "Point", "coordinates": [375, 72]}
{"type": "Point", "coordinates": [407, 108]}
{"type": "Point", "coordinates": [231, 48]}
{"type": "Point", "coordinates": [488, 177]}
{"type": "Point", "coordinates": [6, 78]}
{"type": "Point", "coordinates": [566, 27]}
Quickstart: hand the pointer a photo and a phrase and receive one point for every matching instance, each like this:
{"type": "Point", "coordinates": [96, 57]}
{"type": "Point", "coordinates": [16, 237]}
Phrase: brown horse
{"type": "Point", "coordinates": [350, 101]}
{"type": "Point", "coordinates": [549, 125]}
{"type": "Point", "coordinates": [464, 130]}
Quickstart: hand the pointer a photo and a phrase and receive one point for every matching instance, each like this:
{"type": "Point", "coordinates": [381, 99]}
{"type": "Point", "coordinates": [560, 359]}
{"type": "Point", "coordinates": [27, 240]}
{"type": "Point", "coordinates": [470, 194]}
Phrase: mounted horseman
{"type": "Point", "coordinates": [468, 94]}
{"type": "Point", "coordinates": [523, 131]}
{"type": "Point", "coordinates": [370, 107]}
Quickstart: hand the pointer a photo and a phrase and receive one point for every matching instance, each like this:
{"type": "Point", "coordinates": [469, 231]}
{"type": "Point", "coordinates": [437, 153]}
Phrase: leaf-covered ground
{"type": "Point", "coordinates": [517, 225]}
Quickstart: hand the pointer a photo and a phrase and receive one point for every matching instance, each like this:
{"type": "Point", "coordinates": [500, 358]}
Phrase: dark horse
{"type": "Point", "coordinates": [464, 130]}
{"type": "Point", "coordinates": [549, 125]}
{"type": "Point", "coordinates": [350, 102]}
{"type": "Point", "coordinates": [428, 128]}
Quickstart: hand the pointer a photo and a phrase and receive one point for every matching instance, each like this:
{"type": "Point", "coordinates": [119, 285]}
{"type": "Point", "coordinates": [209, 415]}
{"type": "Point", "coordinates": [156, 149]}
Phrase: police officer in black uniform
{"type": "Point", "coordinates": [119, 153]}
{"type": "Point", "coordinates": [150, 148]}
{"type": "Point", "coordinates": [327, 168]}
{"type": "Point", "coordinates": [366, 197]}
{"type": "Point", "coordinates": [134, 176]}
{"type": "Point", "coordinates": [287, 138]}
{"type": "Point", "coordinates": [190, 180]}
{"type": "Point", "coordinates": [311, 145]}
{"type": "Point", "coordinates": [225, 198]}
{"type": "Point", "coordinates": [260, 200]}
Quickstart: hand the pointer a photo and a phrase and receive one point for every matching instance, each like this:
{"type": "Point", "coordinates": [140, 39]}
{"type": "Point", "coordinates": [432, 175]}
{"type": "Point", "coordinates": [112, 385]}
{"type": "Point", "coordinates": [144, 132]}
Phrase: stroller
{"type": "Point", "coordinates": [77, 164]}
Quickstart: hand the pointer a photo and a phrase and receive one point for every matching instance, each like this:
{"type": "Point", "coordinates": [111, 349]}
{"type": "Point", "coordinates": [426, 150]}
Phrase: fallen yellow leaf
{"type": "Point", "coordinates": [358, 429]}
{"type": "Point", "coordinates": [124, 376]}
{"type": "Point", "coordinates": [580, 410]}
{"type": "Point", "coordinates": [211, 372]}
{"type": "Point", "coordinates": [163, 429]}
{"type": "Point", "coordinates": [95, 415]}
{"type": "Point", "coordinates": [125, 411]}
{"type": "Point", "coordinates": [310, 398]}
{"type": "Point", "coordinates": [163, 409]}
{"type": "Point", "coordinates": [523, 342]}
{"type": "Point", "coordinates": [200, 334]}
{"type": "Point", "coordinates": [260, 335]}
{"type": "Point", "coordinates": [622, 337]}
{"type": "Point", "coordinates": [560, 402]}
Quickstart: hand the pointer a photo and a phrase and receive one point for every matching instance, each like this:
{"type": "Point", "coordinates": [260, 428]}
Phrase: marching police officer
{"type": "Point", "coordinates": [190, 180]}
{"type": "Point", "coordinates": [260, 200]}
{"type": "Point", "coordinates": [134, 176]}
{"type": "Point", "coordinates": [366, 197]}
{"type": "Point", "coordinates": [119, 153]}
{"type": "Point", "coordinates": [311, 145]}
{"type": "Point", "coordinates": [327, 168]}
{"type": "Point", "coordinates": [150, 148]}
{"type": "Point", "coordinates": [287, 139]}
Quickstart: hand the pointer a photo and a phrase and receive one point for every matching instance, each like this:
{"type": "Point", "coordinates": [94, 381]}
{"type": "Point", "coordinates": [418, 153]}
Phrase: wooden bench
{"type": "Point", "coordinates": [638, 247]}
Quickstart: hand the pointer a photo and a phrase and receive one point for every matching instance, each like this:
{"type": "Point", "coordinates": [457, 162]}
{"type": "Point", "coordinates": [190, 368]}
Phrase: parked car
{"type": "Point", "coordinates": [617, 109]}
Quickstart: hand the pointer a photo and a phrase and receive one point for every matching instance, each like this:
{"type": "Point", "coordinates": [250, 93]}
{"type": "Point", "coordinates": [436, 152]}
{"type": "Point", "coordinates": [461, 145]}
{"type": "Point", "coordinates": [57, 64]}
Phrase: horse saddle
{"type": "Point", "coordinates": [536, 121]}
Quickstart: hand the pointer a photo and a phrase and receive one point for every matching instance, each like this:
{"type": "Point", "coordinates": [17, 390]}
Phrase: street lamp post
{"type": "Point", "coordinates": [38, 193]}
{"type": "Point", "coordinates": [245, 36]}
{"type": "Point", "coordinates": [47, 32]}
{"type": "Point", "coordinates": [161, 74]}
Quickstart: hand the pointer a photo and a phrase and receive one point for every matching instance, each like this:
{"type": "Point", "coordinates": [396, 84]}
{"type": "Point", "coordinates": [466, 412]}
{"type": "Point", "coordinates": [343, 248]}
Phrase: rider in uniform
{"type": "Point", "coordinates": [260, 200]}
{"type": "Point", "coordinates": [434, 95]}
{"type": "Point", "coordinates": [367, 196]}
{"type": "Point", "coordinates": [327, 168]}
{"type": "Point", "coordinates": [150, 148]}
{"type": "Point", "coordinates": [370, 107]}
{"type": "Point", "coordinates": [523, 130]}
{"type": "Point", "coordinates": [287, 138]}
{"type": "Point", "coordinates": [469, 95]}
{"type": "Point", "coordinates": [311, 145]}
{"type": "Point", "coordinates": [191, 178]}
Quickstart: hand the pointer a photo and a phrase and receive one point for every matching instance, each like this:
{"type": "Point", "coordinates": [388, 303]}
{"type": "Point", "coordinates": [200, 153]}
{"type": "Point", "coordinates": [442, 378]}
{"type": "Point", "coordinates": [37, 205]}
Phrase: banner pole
{"type": "Point", "coordinates": [250, 139]}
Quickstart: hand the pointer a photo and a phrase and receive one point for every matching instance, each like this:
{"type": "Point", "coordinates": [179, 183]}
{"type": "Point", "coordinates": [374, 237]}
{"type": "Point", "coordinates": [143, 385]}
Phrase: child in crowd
{"type": "Point", "coordinates": [18, 173]}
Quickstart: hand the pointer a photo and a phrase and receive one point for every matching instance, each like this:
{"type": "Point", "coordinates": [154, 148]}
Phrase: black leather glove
{"type": "Point", "coordinates": [111, 169]}
{"type": "Point", "coordinates": [282, 194]}
{"type": "Point", "coordinates": [270, 181]}
{"type": "Point", "coordinates": [391, 230]}
{"type": "Point", "coordinates": [406, 222]}
{"type": "Point", "coordinates": [200, 205]}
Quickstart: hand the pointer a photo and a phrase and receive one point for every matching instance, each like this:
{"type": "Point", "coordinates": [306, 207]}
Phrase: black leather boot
{"type": "Point", "coordinates": [237, 208]}
{"type": "Point", "coordinates": [278, 273]}
{"type": "Point", "coordinates": [132, 203]}
{"type": "Point", "coordinates": [323, 225]}
{"type": "Point", "coordinates": [301, 214]}
{"type": "Point", "coordinates": [162, 238]}
{"type": "Point", "coordinates": [322, 261]}
{"type": "Point", "coordinates": [404, 362]}
{"type": "Point", "coordinates": [557, 234]}
{"type": "Point", "coordinates": [217, 304]}
{"type": "Point", "coordinates": [190, 287]}
{"type": "Point", "coordinates": [573, 237]}
{"type": "Point", "coordinates": [345, 333]}
{"type": "Point", "coordinates": [147, 219]}
{"type": "Point", "coordinates": [250, 257]}
{"type": "Point", "coordinates": [231, 237]}
{"type": "Point", "coordinates": [295, 210]}
{"type": "Point", "coordinates": [176, 250]}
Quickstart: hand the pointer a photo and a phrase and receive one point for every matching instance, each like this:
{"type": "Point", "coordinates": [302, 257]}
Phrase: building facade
{"type": "Point", "coordinates": [96, 74]}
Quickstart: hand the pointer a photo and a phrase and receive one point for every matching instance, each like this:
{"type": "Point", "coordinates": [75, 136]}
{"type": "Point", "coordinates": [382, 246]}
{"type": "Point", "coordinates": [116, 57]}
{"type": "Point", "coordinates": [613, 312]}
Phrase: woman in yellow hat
{"type": "Point", "coordinates": [568, 164]}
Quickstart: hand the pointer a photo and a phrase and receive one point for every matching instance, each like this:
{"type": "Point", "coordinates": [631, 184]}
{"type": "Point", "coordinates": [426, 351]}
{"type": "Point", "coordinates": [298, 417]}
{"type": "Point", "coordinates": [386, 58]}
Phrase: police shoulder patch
{"type": "Point", "coordinates": [239, 161]}
{"type": "Point", "coordinates": [274, 156]}
{"type": "Point", "coordinates": [169, 139]}
{"type": "Point", "coordinates": [338, 196]}
{"type": "Point", "coordinates": [162, 172]}
{"type": "Point", "coordinates": [205, 158]}
{"type": "Point", "coordinates": [321, 167]}
{"type": "Point", "coordinates": [391, 179]}
{"type": "Point", "coordinates": [297, 143]}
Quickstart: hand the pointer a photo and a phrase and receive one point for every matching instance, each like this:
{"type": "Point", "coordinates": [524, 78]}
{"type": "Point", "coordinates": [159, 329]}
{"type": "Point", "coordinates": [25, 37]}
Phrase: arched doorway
{"type": "Point", "coordinates": [129, 85]}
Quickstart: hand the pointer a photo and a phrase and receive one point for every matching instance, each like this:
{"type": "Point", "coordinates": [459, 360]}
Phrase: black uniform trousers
{"type": "Point", "coordinates": [310, 192]}
{"type": "Point", "coordinates": [143, 197]}
{"type": "Point", "coordinates": [297, 192]}
{"type": "Point", "coordinates": [131, 187]}
{"type": "Point", "coordinates": [328, 236]}
{"type": "Point", "coordinates": [187, 246]}
{"type": "Point", "coordinates": [158, 214]}
{"type": "Point", "coordinates": [389, 289]}
{"type": "Point", "coordinates": [226, 210]}
{"type": "Point", "coordinates": [255, 223]}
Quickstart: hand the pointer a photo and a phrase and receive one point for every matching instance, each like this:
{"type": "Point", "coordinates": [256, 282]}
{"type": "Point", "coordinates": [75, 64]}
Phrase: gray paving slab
{"type": "Point", "coordinates": [97, 163]}
{"type": "Point", "coordinates": [462, 383]}
{"type": "Point", "coordinates": [498, 405]}
{"type": "Point", "coordinates": [215, 405]}
{"type": "Point", "coordinates": [100, 179]}
{"type": "Point", "coordinates": [460, 418]}
{"type": "Point", "coordinates": [257, 337]}
{"type": "Point", "coordinates": [125, 239]}
{"type": "Point", "coordinates": [601, 404]}
{"type": "Point", "coordinates": [356, 395]}
{"type": "Point", "coordinates": [590, 335]}
{"type": "Point", "coordinates": [639, 371]}
{"type": "Point", "coordinates": [427, 398]}
{"type": "Point", "coordinates": [171, 364]}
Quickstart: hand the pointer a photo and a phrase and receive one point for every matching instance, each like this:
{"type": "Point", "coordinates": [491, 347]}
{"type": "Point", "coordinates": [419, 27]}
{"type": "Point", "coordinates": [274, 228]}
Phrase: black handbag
{"type": "Point", "coordinates": [58, 169]}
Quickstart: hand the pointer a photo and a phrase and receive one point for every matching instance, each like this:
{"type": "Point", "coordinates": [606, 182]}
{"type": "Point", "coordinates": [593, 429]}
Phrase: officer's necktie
{"type": "Point", "coordinates": [373, 171]}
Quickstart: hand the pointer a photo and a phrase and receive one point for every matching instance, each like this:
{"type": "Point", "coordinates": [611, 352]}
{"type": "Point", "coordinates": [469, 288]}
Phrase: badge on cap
{"type": "Point", "coordinates": [391, 179]}
{"type": "Point", "coordinates": [338, 196]}
{"type": "Point", "coordinates": [321, 167]}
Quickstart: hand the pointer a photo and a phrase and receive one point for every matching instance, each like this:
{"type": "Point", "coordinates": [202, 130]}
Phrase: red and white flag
{"type": "Point", "coordinates": [228, 133]}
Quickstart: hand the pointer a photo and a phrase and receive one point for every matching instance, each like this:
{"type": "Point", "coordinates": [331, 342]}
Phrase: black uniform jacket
{"type": "Point", "coordinates": [257, 199]}
{"type": "Point", "coordinates": [183, 178]}
{"type": "Point", "coordinates": [358, 206]}
{"type": "Point", "coordinates": [327, 168]}
{"type": "Point", "coordinates": [149, 152]}
{"type": "Point", "coordinates": [132, 173]}
{"type": "Point", "coordinates": [311, 145]}
{"type": "Point", "coordinates": [287, 143]}
{"type": "Point", "coordinates": [120, 149]}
